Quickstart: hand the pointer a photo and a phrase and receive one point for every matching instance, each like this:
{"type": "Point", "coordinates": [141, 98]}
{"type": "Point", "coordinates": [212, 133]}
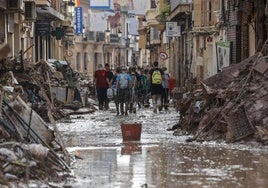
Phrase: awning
{"type": "Point", "coordinates": [49, 13]}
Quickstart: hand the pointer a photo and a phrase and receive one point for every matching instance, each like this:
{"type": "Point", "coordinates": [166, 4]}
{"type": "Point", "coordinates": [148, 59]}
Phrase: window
{"type": "Point", "coordinates": [85, 61]}
{"type": "Point", "coordinates": [78, 62]}
{"type": "Point", "coordinates": [153, 4]}
{"type": "Point", "coordinates": [209, 12]}
{"type": "Point", "coordinates": [95, 60]}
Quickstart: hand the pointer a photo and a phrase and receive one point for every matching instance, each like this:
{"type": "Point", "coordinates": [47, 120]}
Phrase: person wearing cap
{"type": "Point", "coordinates": [101, 85]}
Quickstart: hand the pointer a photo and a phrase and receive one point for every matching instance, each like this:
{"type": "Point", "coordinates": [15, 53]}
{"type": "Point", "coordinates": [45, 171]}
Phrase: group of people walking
{"type": "Point", "coordinates": [132, 88]}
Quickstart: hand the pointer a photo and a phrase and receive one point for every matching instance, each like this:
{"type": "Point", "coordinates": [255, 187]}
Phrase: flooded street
{"type": "Point", "coordinates": [159, 159]}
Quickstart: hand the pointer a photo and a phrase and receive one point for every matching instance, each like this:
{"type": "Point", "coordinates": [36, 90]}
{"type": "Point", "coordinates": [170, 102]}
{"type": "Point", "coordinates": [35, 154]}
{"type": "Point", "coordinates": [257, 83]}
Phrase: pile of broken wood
{"type": "Point", "coordinates": [230, 105]}
{"type": "Point", "coordinates": [30, 144]}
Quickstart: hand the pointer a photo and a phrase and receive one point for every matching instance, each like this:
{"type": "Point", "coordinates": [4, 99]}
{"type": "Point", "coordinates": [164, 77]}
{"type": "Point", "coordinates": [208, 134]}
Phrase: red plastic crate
{"type": "Point", "coordinates": [131, 132]}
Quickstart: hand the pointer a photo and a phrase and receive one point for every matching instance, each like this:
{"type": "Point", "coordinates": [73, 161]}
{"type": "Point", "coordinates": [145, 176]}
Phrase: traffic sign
{"type": "Point", "coordinates": [163, 55]}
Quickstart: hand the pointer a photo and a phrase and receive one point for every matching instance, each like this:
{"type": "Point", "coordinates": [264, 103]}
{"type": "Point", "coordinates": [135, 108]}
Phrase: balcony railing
{"type": "Point", "coordinates": [43, 2]}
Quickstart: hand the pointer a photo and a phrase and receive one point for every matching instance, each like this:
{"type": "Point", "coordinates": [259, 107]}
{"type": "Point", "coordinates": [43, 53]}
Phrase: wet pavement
{"type": "Point", "coordinates": [159, 159]}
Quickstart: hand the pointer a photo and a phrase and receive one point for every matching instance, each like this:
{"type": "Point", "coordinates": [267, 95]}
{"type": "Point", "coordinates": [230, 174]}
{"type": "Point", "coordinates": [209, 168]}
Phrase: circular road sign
{"type": "Point", "coordinates": [163, 55]}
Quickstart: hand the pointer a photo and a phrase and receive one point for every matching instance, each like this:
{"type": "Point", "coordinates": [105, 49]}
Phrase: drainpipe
{"type": "Point", "coordinates": [266, 14]}
{"type": "Point", "coordinates": [191, 56]}
{"type": "Point", "coordinates": [103, 54]}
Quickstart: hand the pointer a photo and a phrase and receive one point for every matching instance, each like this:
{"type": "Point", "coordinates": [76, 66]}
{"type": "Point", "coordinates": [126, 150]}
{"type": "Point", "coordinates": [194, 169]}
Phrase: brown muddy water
{"type": "Point", "coordinates": [159, 159]}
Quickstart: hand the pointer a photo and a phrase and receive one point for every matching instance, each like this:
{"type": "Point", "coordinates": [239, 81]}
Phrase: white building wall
{"type": "Point", "coordinates": [98, 20]}
{"type": "Point", "coordinates": [140, 7]}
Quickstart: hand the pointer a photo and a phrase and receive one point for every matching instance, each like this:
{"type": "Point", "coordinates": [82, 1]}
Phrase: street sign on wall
{"type": "Point", "coordinates": [172, 29]}
{"type": "Point", "coordinates": [78, 20]}
{"type": "Point", "coordinates": [163, 55]}
{"type": "Point", "coordinates": [223, 52]}
{"type": "Point", "coordinates": [100, 4]}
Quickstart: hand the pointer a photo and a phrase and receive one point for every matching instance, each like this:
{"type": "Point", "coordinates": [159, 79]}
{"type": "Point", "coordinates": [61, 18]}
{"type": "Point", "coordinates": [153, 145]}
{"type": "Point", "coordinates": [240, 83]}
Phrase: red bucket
{"type": "Point", "coordinates": [131, 132]}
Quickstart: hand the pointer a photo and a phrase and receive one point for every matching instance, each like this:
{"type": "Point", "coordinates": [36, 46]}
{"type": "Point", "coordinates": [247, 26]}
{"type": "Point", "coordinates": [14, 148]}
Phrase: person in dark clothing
{"type": "Point", "coordinates": [101, 85]}
{"type": "Point", "coordinates": [134, 90]}
{"type": "Point", "coordinates": [156, 76]}
{"type": "Point", "coordinates": [116, 96]}
{"type": "Point", "coordinates": [109, 78]}
{"type": "Point", "coordinates": [123, 85]}
{"type": "Point", "coordinates": [165, 92]}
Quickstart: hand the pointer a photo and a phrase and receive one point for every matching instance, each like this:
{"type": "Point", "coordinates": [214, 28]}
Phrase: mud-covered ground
{"type": "Point", "coordinates": [159, 159]}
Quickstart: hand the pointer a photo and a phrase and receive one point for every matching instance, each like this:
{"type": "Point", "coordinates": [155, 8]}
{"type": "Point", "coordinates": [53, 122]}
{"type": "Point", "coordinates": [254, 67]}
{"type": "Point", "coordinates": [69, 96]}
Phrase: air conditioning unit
{"type": "Point", "coordinates": [30, 11]}
{"type": "Point", "coordinates": [15, 6]}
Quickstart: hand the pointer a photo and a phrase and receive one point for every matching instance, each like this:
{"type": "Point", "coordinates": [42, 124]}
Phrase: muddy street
{"type": "Point", "coordinates": [159, 159]}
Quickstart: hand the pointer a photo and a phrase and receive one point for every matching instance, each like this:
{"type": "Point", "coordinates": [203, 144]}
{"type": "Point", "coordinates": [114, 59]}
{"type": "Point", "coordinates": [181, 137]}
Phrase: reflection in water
{"type": "Point", "coordinates": [173, 165]}
{"type": "Point", "coordinates": [159, 159]}
{"type": "Point", "coordinates": [129, 148]}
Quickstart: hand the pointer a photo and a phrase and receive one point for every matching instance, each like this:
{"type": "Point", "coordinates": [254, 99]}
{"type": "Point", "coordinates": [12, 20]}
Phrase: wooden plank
{"type": "Point", "coordinates": [4, 50]}
{"type": "Point", "coordinates": [58, 136]}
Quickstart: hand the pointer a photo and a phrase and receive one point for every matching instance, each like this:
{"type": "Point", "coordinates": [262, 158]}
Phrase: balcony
{"type": "Point", "coordinates": [179, 10]}
{"type": "Point", "coordinates": [114, 38]}
{"type": "Point", "coordinates": [48, 13]}
{"type": "Point", "coordinates": [151, 16]}
{"type": "Point", "coordinates": [43, 2]}
{"type": "Point", "coordinates": [142, 26]}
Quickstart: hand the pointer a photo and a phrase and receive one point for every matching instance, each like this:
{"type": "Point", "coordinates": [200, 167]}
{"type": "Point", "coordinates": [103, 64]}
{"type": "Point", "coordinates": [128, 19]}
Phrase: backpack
{"type": "Point", "coordinates": [123, 81]}
{"type": "Point", "coordinates": [156, 77]}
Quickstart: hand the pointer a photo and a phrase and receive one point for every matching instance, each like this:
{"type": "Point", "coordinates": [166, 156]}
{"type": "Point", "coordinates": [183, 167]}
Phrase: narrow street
{"type": "Point", "coordinates": [210, 55]}
{"type": "Point", "coordinates": [159, 160]}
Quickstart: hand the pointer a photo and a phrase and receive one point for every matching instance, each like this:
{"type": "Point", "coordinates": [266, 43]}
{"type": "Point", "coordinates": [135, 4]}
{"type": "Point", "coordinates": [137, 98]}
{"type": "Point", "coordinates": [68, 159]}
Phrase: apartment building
{"type": "Point", "coordinates": [35, 30]}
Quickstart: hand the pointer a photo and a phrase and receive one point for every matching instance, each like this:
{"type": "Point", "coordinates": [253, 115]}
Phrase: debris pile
{"type": "Point", "coordinates": [21, 163]}
{"type": "Point", "coordinates": [32, 97]}
{"type": "Point", "coordinates": [230, 105]}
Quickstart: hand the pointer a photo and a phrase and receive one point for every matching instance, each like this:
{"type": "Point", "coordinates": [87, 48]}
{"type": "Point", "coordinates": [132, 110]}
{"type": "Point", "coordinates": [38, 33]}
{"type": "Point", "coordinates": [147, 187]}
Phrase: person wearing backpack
{"type": "Point", "coordinates": [123, 85]}
{"type": "Point", "coordinates": [144, 86]}
{"type": "Point", "coordinates": [156, 76]}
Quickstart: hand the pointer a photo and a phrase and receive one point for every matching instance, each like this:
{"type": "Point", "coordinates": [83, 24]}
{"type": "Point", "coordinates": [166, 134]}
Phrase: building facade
{"type": "Point", "coordinates": [35, 30]}
{"type": "Point", "coordinates": [213, 35]}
